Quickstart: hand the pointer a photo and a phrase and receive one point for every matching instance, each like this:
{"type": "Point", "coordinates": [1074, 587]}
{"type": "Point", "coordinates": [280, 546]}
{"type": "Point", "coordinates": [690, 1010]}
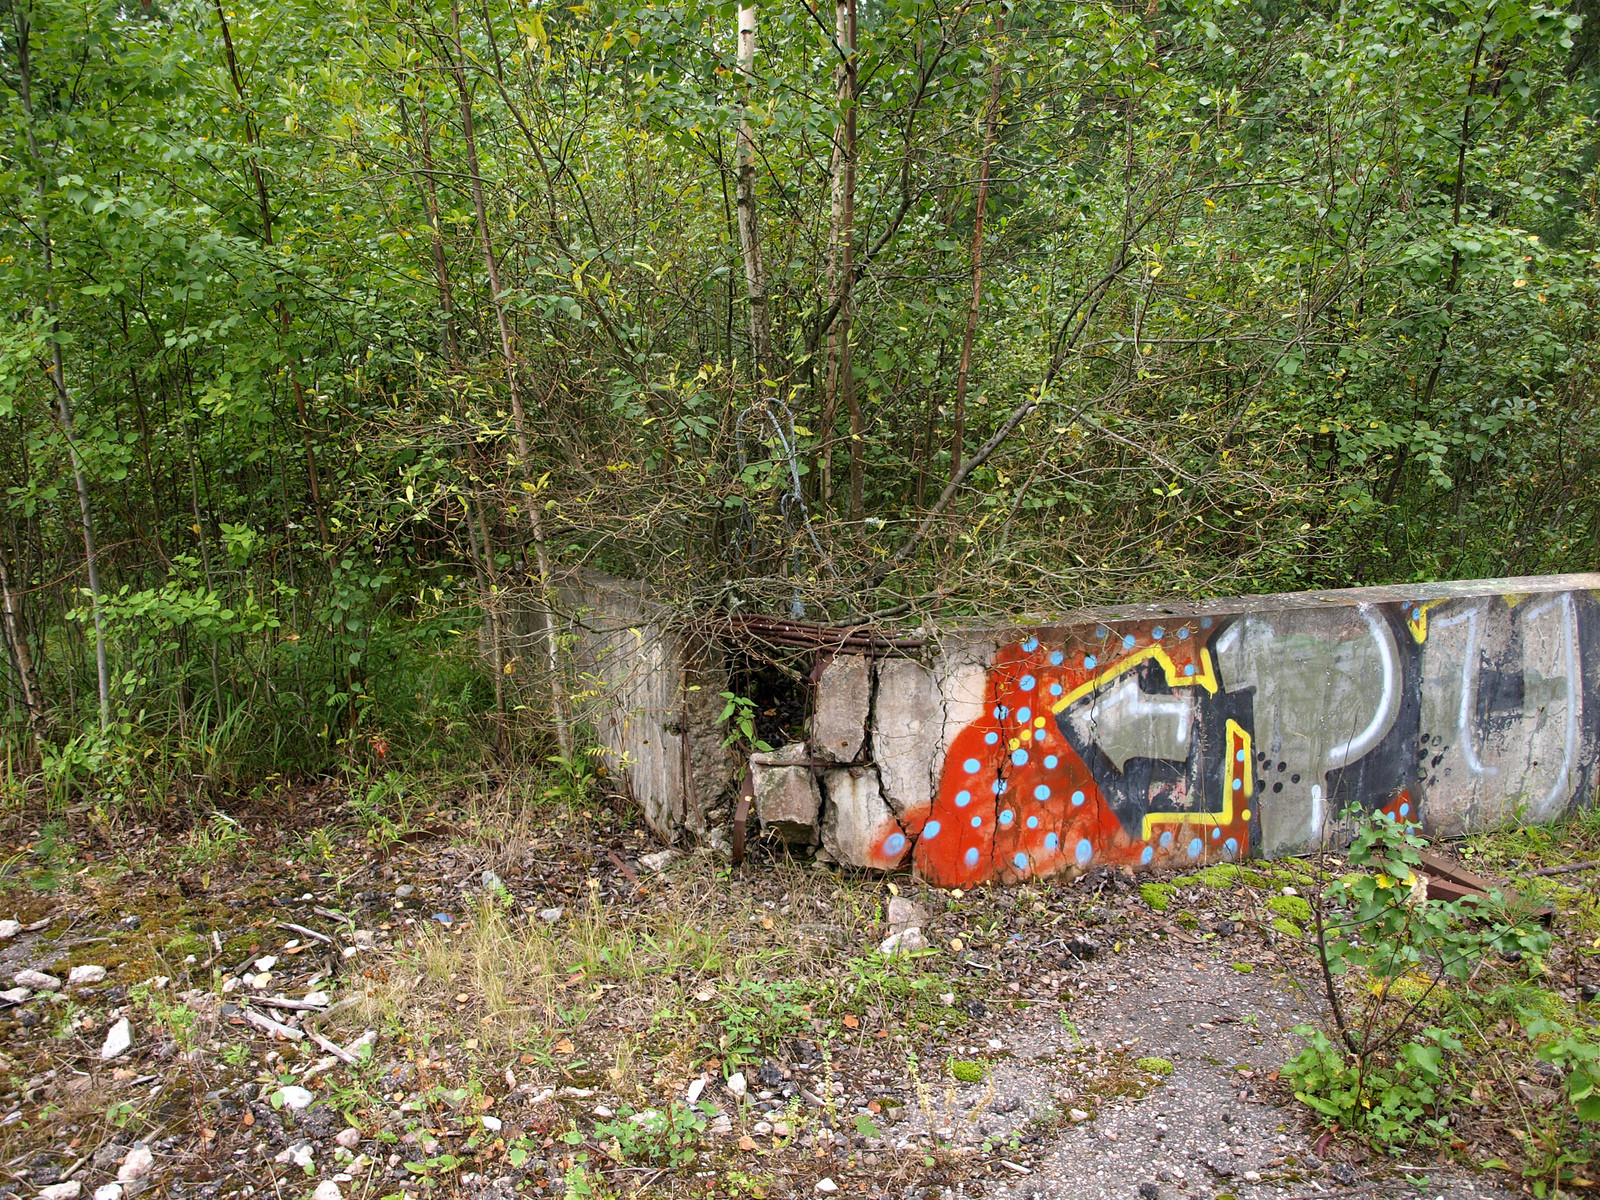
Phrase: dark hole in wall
{"type": "Point", "coordinates": [783, 703]}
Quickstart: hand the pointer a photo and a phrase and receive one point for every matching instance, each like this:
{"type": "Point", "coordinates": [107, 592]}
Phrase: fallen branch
{"type": "Point", "coordinates": [286, 1004]}
{"type": "Point", "coordinates": [1569, 868]}
{"type": "Point", "coordinates": [332, 1048]}
{"type": "Point", "coordinates": [301, 929]}
{"type": "Point", "coordinates": [270, 1027]}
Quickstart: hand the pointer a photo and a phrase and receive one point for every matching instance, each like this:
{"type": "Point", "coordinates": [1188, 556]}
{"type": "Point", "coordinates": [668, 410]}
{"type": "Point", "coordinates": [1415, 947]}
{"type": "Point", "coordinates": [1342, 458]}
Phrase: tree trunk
{"type": "Point", "coordinates": [841, 264]}
{"type": "Point", "coordinates": [58, 379]}
{"type": "Point", "coordinates": [986, 159]}
{"type": "Point", "coordinates": [745, 202]}
{"type": "Point", "coordinates": [17, 638]}
{"type": "Point", "coordinates": [530, 498]}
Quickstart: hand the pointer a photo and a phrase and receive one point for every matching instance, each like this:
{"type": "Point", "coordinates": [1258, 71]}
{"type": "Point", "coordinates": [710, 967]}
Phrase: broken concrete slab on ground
{"type": "Point", "coordinates": [1147, 735]}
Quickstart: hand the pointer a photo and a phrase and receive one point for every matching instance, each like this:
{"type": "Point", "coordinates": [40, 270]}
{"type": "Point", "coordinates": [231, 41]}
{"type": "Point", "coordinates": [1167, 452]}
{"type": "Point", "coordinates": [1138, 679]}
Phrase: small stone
{"type": "Point", "coordinates": [318, 998]}
{"type": "Point", "coordinates": [780, 1129]}
{"type": "Point", "coordinates": [86, 974]}
{"type": "Point", "coordinates": [1005, 1104]}
{"type": "Point", "coordinates": [37, 980]}
{"type": "Point", "coordinates": [827, 1186]}
{"type": "Point", "coordinates": [266, 962]}
{"type": "Point", "coordinates": [405, 891]}
{"type": "Point", "coordinates": [108, 1191]}
{"type": "Point", "coordinates": [9, 930]}
{"type": "Point", "coordinates": [1077, 1114]}
{"type": "Point", "coordinates": [763, 1128]}
{"type": "Point", "coordinates": [327, 1190]}
{"type": "Point", "coordinates": [15, 995]}
{"type": "Point", "coordinates": [1084, 948]}
{"type": "Point", "coordinates": [904, 913]}
{"type": "Point", "coordinates": [659, 861]}
{"type": "Point", "coordinates": [61, 1191]}
{"type": "Point", "coordinates": [138, 1163]}
{"type": "Point", "coordinates": [348, 1137]}
{"type": "Point", "coordinates": [907, 941]}
{"type": "Point", "coordinates": [118, 1038]}
{"type": "Point", "coordinates": [722, 1124]}
{"type": "Point", "coordinates": [131, 921]}
{"type": "Point", "coordinates": [737, 1087]}
{"type": "Point", "coordinates": [696, 1086]}
{"type": "Point", "coordinates": [550, 915]}
{"type": "Point", "coordinates": [1149, 1191]}
{"type": "Point", "coordinates": [492, 1124]}
{"type": "Point", "coordinates": [294, 1098]}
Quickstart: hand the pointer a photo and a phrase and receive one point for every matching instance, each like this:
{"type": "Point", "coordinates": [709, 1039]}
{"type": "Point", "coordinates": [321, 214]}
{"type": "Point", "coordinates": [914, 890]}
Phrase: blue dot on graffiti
{"type": "Point", "coordinates": [971, 857]}
{"type": "Point", "coordinates": [998, 787]}
{"type": "Point", "coordinates": [1033, 822]}
{"type": "Point", "coordinates": [990, 738]}
{"type": "Point", "coordinates": [1056, 658]}
{"type": "Point", "coordinates": [894, 843]}
{"type": "Point", "coordinates": [1405, 810]}
{"type": "Point", "coordinates": [1001, 712]}
{"type": "Point", "coordinates": [1100, 631]}
{"type": "Point", "coordinates": [1021, 861]}
{"type": "Point", "coordinates": [1205, 622]}
{"type": "Point", "coordinates": [1238, 756]}
{"type": "Point", "coordinates": [1127, 641]}
{"type": "Point", "coordinates": [1237, 784]}
{"type": "Point", "coordinates": [977, 822]}
{"type": "Point", "coordinates": [1055, 689]}
{"type": "Point", "coordinates": [1148, 854]}
{"type": "Point", "coordinates": [1090, 661]}
{"type": "Point", "coordinates": [1157, 633]}
{"type": "Point", "coordinates": [1077, 799]}
{"type": "Point", "coordinates": [1006, 817]}
{"type": "Point", "coordinates": [1188, 668]}
{"type": "Point", "coordinates": [1215, 834]}
{"type": "Point", "coordinates": [1050, 760]}
{"type": "Point", "coordinates": [1024, 715]}
{"type": "Point", "coordinates": [1051, 841]}
{"type": "Point", "coordinates": [1084, 852]}
{"type": "Point", "coordinates": [1019, 757]}
{"type": "Point", "coordinates": [971, 766]}
{"type": "Point", "coordinates": [1194, 848]}
{"type": "Point", "coordinates": [1026, 683]}
{"type": "Point", "coordinates": [1166, 840]}
{"type": "Point", "coordinates": [1040, 737]}
{"type": "Point", "coordinates": [931, 829]}
{"type": "Point", "coordinates": [1042, 792]}
{"type": "Point", "coordinates": [1231, 845]}
{"type": "Point", "coordinates": [963, 798]}
{"type": "Point", "coordinates": [1031, 645]}
{"type": "Point", "coordinates": [1183, 633]}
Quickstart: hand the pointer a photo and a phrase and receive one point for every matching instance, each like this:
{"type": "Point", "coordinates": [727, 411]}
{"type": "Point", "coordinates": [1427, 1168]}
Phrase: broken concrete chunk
{"type": "Point", "coordinates": [844, 699]}
{"type": "Point", "coordinates": [37, 980]}
{"type": "Point", "coordinates": [904, 913]}
{"type": "Point", "coordinates": [859, 829]}
{"type": "Point", "coordinates": [118, 1038]}
{"type": "Point", "coordinates": [787, 799]}
{"type": "Point", "coordinates": [907, 723]}
{"type": "Point", "coordinates": [907, 941]}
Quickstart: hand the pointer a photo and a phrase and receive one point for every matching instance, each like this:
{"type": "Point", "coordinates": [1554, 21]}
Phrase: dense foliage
{"type": "Point", "coordinates": [337, 337]}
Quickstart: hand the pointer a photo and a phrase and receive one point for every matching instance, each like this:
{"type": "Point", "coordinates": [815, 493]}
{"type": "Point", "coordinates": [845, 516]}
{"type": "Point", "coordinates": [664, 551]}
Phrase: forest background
{"type": "Point", "coordinates": [338, 337]}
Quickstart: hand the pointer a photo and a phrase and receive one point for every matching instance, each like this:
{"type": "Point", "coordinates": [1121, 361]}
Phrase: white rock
{"type": "Point", "coordinates": [348, 1137]}
{"type": "Point", "coordinates": [737, 1087]}
{"type": "Point", "coordinates": [86, 974]}
{"type": "Point", "coordinates": [266, 962]}
{"type": "Point", "coordinates": [259, 982]}
{"type": "Point", "coordinates": [827, 1186]}
{"type": "Point", "coordinates": [138, 1163]}
{"type": "Point", "coordinates": [316, 997]}
{"type": "Point", "coordinates": [327, 1190]}
{"type": "Point", "coordinates": [907, 941]}
{"type": "Point", "coordinates": [118, 1038]}
{"type": "Point", "coordinates": [658, 861]}
{"type": "Point", "coordinates": [108, 1191]}
{"type": "Point", "coordinates": [37, 980]}
{"type": "Point", "coordinates": [550, 915]}
{"type": "Point", "coordinates": [294, 1098]}
{"type": "Point", "coordinates": [61, 1191]}
{"type": "Point", "coordinates": [1077, 1114]}
{"type": "Point", "coordinates": [695, 1088]}
{"type": "Point", "coordinates": [906, 914]}
{"type": "Point", "coordinates": [9, 930]}
{"type": "Point", "coordinates": [492, 1124]}
{"type": "Point", "coordinates": [15, 995]}
{"type": "Point", "coordinates": [722, 1124]}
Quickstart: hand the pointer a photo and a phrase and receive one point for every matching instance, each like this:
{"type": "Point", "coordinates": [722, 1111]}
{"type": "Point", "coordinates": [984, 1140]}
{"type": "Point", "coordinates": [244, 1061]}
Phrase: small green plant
{"type": "Point", "coordinates": [219, 836]}
{"type": "Point", "coordinates": [1155, 1066]}
{"type": "Point", "coordinates": [672, 1136]}
{"type": "Point", "coordinates": [739, 714]}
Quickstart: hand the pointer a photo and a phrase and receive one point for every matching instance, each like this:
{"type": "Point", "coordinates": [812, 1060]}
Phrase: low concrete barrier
{"type": "Point", "coordinates": [1185, 734]}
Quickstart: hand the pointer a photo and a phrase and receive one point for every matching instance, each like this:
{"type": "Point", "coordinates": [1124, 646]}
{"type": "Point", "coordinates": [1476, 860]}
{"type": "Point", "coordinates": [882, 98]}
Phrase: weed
{"type": "Point", "coordinates": [671, 1137]}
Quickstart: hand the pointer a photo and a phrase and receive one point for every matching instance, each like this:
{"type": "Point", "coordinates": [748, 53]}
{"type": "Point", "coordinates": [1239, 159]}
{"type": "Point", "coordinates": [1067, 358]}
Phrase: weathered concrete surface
{"type": "Point", "coordinates": [844, 701]}
{"type": "Point", "coordinates": [650, 692]}
{"type": "Point", "coordinates": [907, 725]}
{"type": "Point", "coordinates": [1173, 734]}
{"type": "Point", "coordinates": [858, 828]}
{"type": "Point", "coordinates": [787, 801]}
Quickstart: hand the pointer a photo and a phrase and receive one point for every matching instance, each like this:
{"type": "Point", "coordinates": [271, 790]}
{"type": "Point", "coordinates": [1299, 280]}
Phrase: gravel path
{"type": "Point", "coordinates": [1211, 1127]}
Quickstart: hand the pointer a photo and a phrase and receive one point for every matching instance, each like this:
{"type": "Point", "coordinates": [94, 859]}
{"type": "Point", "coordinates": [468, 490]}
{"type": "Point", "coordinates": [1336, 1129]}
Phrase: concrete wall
{"type": "Point", "coordinates": [1188, 734]}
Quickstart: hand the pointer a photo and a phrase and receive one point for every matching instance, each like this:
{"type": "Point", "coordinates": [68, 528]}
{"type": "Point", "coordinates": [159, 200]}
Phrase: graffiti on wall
{"type": "Point", "coordinates": [1185, 742]}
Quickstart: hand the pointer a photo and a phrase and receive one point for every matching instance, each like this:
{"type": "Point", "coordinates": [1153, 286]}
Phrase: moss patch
{"type": "Point", "coordinates": [1295, 908]}
{"type": "Point", "coordinates": [966, 1072]}
{"type": "Point", "coordinates": [1157, 895]}
{"type": "Point", "coordinates": [1156, 1066]}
